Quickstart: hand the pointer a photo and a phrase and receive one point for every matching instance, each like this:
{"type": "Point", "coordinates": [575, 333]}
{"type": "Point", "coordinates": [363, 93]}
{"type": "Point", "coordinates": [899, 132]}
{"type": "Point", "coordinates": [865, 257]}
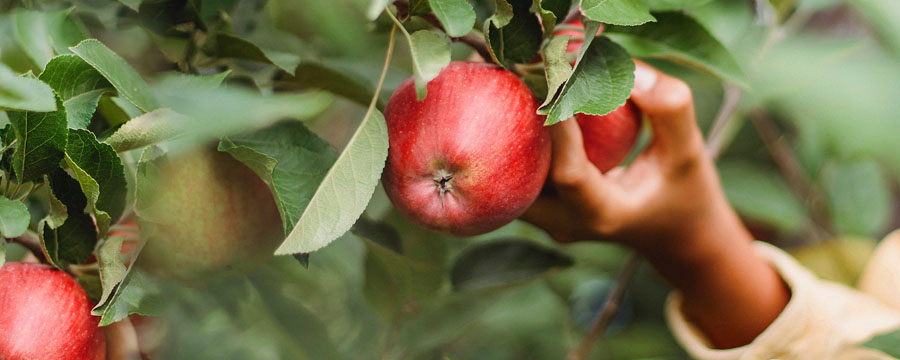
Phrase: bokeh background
{"type": "Point", "coordinates": [809, 155]}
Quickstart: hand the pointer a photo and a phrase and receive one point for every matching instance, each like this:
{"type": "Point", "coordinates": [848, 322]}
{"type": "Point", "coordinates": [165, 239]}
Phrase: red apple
{"type": "Point", "coordinates": [45, 314]}
{"type": "Point", "coordinates": [469, 158]}
{"type": "Point", "coordinates": [609, 138]}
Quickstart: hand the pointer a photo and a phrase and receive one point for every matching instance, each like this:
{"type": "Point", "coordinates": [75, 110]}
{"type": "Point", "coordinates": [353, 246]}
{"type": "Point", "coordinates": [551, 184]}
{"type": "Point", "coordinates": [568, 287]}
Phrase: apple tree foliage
{"type": "Point", "coordinates": [95, 94]}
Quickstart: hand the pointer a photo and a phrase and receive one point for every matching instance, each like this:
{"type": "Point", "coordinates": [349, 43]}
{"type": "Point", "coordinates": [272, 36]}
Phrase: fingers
{"type": "Point", "coordinates": [572, 173]}
{"type": "Point", "coordinates": [667, 101]}
{"type": "Point", "coordinates": [547, 213]}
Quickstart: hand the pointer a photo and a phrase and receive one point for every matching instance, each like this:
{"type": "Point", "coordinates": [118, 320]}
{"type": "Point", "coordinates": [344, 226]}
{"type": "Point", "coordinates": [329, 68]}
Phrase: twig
{"type": "Point", "coordinates": [610, 308]}
{"type": "Point", "coordinates": [792, 171]}
{"type": "Point", "coordinates": [721, 128]}
{"type": "Point", "coordinates": [30, 241]}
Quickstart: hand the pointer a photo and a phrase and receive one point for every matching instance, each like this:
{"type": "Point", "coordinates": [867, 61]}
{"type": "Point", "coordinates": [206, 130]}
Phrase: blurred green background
{"type": "Point", "coordinates": [810, 157]}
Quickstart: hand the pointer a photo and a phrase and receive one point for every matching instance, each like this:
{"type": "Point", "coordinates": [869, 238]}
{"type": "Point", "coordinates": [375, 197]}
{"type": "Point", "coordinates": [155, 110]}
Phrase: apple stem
{"type": "Point", "coordinates": [442, 180]}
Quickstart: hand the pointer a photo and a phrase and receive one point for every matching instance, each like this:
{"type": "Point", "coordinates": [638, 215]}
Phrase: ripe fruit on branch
{"type": "Point", "coordinates": [45, 314]}
{"type": "Point", "coordinates": [212, 212]}
{"type": "Point", "coordinates": [469, 158]}
{"type": "Point", "coordinates": [608, 138]}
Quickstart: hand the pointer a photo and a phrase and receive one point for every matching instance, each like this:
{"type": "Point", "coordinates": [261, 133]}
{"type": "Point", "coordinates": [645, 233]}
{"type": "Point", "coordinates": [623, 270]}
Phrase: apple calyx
{"type": "Point", "coordinates": [443, 182]}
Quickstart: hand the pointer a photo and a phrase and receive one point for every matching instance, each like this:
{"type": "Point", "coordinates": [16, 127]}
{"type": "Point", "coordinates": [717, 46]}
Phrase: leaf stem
{"type": "Point", "coordinates": [387, 63]}
{"type": "Point", "coordinates": [610, 308]}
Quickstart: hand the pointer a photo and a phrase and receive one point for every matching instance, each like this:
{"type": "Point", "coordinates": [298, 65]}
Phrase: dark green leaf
{"type": "Point", "coordinates": [504, 262]}
{"type": "Point", "coordinates": [122, 76]}
{"type": "Point", "coordinates": [78, 84]}
{"type": "Point", "coordinates": [74, 240]}
{"type": "Point", "coordinates": [679, 38]}
{"type": "Point", "coordinates": [344, 192]}
{"type": "Point", "coordinates": [311, 75]}
{"type": "Point", "coordinates": [457, 16]}
{"type": "Point", "coordinates": [102, 177]}
{"type": "Point", "coordinates": [43, 35]}
{"type": "Point", "coordinates": [419, 7]}
{"type": "Point", "coordinates": [888, 343]}
{"type": "Point", "coordinates": [559, 8]}
{"type": "Point", "coordinates": [379, 233]}
{"type": "Point", "coordinates": [859, 197]}
{"type": "Point", "coordinates": [40, 142]}
{"type": "Point", "coordinates": [14, 218]}
{"type": "Point", "coordinates": [169, 17]}
{"type": "Point", "coordinates": [617, 12]}
{"type": "Point", "coordinates": [24, 92]}
{"type": "Point", "coordinates": [230, 46]}
{"type": "Point", "coordinates": [519, 40]}
{"type": "Point", "coordinates": [291, 159]}
{"type": "Point", "coordinates": [600, 83]}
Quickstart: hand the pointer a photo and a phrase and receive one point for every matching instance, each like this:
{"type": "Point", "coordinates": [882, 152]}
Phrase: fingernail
{"type": "Point", "coordinates": [644, 78]}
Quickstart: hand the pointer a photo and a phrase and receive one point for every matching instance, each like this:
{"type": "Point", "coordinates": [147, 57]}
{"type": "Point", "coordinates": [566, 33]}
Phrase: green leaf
{"type": "Point", "coordinates": [519, 40]}
{"type": "Point", "coordinates": [550, 12]}
{"type": "Point", "coordinates": [457, 16]}
{"type": "Point", "coordinates": [74, 240]}
{"type": "Point", "coordinates": [24, 93]}
{"type": "Point", "coordinates": [43, 35]}
{"type": "Point", "coordinates": [617, 12]}
{"type": "Point", "coordinates": [149, 129]}
{"type": "Point", "coordinates": [176, 79]}
{"type": "Point", "coordinates": [138, 293]}
{"type": "Point", "coordinates": [679, 38]}
{"type": "Point", "coordinates": [503, 262]}
{"type": "Point", "coordinates": [376, 7]}
{"type": "Point", "coordinates": [14, 218]}
{"type": "Point", "coordinates": [132, 4]}
{"type": "Point", "coordinates": [78, 84]}
{"type": "Point", "coordinates": [668, 5]}
{"type": "Point", "coordinates": [230, 46]}
{"type": "Point", "coordinates": [760, 194]}
{"type": "Point", "coordinates": [58, 213]}
{"type": "Point", "coordinates": [419, 7]}
{"type": "Point", "coordinates": [101, 174]}
{"type": "Point", "coordinates": [859, 198]}
{"type": "Point", "coordinates": [503, 14]}
{"type": "Point", "coordinates": [600, 83]}
{"type": "Point", "coordinates": [344, 192]}
{"type": "Point", "coordinates": [291, 159]}
{"type": "Point", "coordinates": [556, 65]}
{"type": "Point", "coordinates": [214, 113]}
{"type": "Point", "coordinates": [430, 52]}
{"type": "Point", "coordinates": [2, 253]}
{"type": "Point", "coordinates": [40, 142]}
{"type": "Point", "coordinates": [311, 75]}
{"type": "Point", "coordinates": [887, 342]}
{"type": "Point", "coordinates": [111, 267]}
{"type": "Point", "coordinates": [122, 76]}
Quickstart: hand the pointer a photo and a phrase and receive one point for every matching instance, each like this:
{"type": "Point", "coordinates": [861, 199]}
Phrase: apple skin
{"type": "Point", "coordinates": [211, 213]}
{"type": "Point", "coordinates": [45, 314]}
{"type": "Point", "coordinates": [476, 136]}
{"type": "Point", "coordinates": [609, 138]}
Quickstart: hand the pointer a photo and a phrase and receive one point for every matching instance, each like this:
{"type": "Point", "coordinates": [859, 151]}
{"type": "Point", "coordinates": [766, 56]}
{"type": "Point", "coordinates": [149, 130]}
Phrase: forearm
{"type": "Point", "coordinates": [731, 294]}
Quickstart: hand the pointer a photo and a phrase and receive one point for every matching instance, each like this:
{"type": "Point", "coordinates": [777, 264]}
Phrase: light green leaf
{"type": "Point", "coordinates": [376, 7]}
{"type": "Point", "coordinates": [176, 79]}
{"type": "Point", "coordinates": [230, 46]}
{"type": "Point", "coordinates": [760, 194]}
{"type": "Point", "coordinates": [45, 34]}
{"type": "Point", "coordinates": [394, 281]}
{"type": "Point", "coordinates": [601, 82]}
{"type": "Point", "coordinates": [111, 268]}
{"type": "Point", "coordinates": [101, 174]}
{"type": "Point", "coordinates": [14, 218]}
{"type": "Point", "coordinates": [556, 65]}
{"type": "Point", "coordinates": [668, 5]}
{"type": "Point", "coordinates": [40, 142]}
{"type": "Point", "coordinates": [151, 128]}
{"type": "Point", "coordinates": [617, 12]}
{"type": "Point", "coordinates": [138, 293]}
{"type": "Point", "coordinates": [122, 76]}
{"type": "Point", "coordinates": [859, 198]}
{"type": "Point", "coordinates": [679, 38]}
{"type": "Point", "coordinates": [430, 52]}
{"type": "Point", "coordinates": [344, 192]}
{"type": "Point", "coordinates": [311, 75]}
{"type": "Point", "coordinates": [887, 342]}
{"type": "Point", "coordinates": [24, 93]}
{"type": "Point", "coordinates": [503, 13]}
{"type": "Point", "coordinates": [457, 16]}
{"type": "Point", "coordinates": [291, 159]}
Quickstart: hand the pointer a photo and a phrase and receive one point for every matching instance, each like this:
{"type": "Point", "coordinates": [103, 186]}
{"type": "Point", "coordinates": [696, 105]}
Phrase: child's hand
{"type": "Point", "coordinates": [669, 206]}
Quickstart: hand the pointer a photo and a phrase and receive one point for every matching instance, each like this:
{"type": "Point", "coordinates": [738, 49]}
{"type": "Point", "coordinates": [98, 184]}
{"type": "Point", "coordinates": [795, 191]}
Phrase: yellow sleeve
{"type": "Point", "coordinates": [881, 278]}
{"type": "Point", "coordinates": [822, 320]}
